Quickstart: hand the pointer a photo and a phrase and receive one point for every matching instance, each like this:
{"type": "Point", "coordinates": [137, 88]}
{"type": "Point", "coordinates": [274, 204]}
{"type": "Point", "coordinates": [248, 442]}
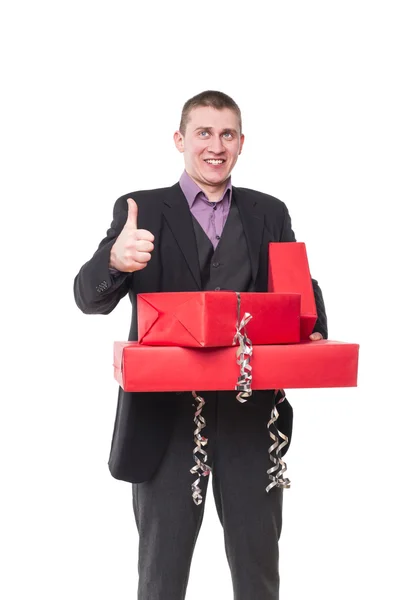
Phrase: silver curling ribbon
{"type": "Point", "coordinates": [277, 479]}
{"type": "Point", "coordinates": [243, 354]}
{"type": "Point", "coordinates": [201, 468]}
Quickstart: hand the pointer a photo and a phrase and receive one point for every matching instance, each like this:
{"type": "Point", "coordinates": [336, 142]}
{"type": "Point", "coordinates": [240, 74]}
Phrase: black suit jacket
{"type": "Point", "coordinates": [143, 421]}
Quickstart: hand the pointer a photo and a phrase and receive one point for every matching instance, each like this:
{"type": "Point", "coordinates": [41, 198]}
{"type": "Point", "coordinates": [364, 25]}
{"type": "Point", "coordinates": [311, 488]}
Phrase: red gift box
{"type": "Point", "coordinates": [199, 319]}
{"type": "Point", "coordinates": [288, 272]}
{"type": "Point", "coordinates": [321, 364]}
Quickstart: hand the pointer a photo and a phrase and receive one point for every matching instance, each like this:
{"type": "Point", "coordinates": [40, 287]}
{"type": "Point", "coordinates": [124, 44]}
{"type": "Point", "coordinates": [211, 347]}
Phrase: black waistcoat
{"type": "Point", "coordinates": [228, 267]}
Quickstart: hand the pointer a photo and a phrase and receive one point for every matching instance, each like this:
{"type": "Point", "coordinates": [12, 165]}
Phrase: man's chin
{"type": "Point", "coordinates": [215, 178]}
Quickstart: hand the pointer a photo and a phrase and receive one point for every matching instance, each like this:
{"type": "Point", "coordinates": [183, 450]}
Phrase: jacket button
{"type": "Point", "coordinates": [215, 264]}
{"type": "Point", "coordinates": [217, 289]}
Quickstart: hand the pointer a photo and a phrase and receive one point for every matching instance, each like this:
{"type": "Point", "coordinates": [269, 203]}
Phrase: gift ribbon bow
{"type": "Point", "coordinates": [243, 354]}
{"type": "Point", "coordinates": [243, 386]}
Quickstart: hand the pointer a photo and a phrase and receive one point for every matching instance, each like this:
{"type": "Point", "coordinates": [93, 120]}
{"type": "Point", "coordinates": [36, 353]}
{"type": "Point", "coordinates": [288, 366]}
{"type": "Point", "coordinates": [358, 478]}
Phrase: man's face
{"type": "Point", "coordinates": [211, 144]}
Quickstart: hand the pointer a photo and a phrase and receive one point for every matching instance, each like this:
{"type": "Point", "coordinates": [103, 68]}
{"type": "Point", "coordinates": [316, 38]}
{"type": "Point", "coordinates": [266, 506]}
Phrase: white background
{"type": "Point", "coordinates": [91, 96]}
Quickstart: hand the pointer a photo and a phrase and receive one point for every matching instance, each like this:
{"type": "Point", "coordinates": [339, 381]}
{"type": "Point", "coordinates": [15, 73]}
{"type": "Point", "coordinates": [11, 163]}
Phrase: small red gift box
{"type": "Point", "coordinates": [288, 272]}
{"type": "Point", "coordinates": [322, 364]}
{"type": "Point", "coordinates": [199, 319]}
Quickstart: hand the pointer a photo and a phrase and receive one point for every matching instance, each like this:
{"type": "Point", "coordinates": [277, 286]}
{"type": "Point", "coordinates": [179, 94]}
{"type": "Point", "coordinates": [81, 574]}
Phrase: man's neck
{"type": "Point", "coordinates": [213, 193]}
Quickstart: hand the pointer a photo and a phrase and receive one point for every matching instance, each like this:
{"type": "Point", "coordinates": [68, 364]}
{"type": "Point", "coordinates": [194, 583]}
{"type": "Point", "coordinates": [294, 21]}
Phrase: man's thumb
{"type": "Point", "coordinates": [132, 213]}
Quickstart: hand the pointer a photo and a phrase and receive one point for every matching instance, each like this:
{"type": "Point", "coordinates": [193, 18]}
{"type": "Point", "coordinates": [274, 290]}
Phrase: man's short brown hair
{"type": "Point", "coordinates": [217, 100]}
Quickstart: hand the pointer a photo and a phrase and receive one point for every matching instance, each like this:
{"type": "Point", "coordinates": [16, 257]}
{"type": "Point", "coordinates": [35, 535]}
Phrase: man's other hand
{"type": "Point", "coordinates": [132, 249]}
{"type": "Point", "coordinates": [315, 337]}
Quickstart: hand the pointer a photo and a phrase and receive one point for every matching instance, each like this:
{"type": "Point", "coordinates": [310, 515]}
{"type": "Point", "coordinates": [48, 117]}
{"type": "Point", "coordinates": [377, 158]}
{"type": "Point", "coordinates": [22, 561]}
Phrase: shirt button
{"type": "Point", "coordinates": [215, 265]}
{"type": "Point", "coordinates": [218, 237]}
{"type": "Point", "coordinates": [217, 289]}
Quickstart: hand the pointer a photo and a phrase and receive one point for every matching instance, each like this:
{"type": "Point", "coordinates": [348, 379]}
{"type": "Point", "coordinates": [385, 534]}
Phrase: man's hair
{"type": "Point", "coordinates": [217, 100]}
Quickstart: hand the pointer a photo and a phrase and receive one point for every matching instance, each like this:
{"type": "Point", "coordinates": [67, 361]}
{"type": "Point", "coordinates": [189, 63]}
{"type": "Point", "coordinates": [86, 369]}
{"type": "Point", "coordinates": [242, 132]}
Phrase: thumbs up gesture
{"type": "Point", "coordinates": [132, 249]}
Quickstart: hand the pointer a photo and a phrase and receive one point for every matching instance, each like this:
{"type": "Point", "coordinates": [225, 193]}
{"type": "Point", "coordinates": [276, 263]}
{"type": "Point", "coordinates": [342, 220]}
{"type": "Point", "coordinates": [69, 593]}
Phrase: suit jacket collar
{"type": "Point", "coordinates": [253, 224]}
{"type": "Point", "coordinates": [179, 218]}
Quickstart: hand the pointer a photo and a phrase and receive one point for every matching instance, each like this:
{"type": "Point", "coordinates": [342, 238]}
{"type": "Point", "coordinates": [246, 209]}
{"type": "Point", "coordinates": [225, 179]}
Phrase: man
{"type": "Point", "coordinates": [200, 234]}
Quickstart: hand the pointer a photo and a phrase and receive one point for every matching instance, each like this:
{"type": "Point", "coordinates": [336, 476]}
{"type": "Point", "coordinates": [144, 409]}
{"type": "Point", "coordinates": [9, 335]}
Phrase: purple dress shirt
{"type": "Point", "coordinates": [211, 216]}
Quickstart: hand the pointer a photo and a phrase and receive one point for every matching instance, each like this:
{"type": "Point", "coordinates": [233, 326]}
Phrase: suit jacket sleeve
{"type": "Point", "coordinates": [97, 290]}
{"type": "Point", "coordinates": [287, 235]}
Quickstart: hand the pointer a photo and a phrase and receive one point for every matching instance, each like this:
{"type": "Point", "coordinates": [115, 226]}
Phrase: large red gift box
{"type": "Point", "coordinates": [204, 319]}
{"type": "Point", "coordinates": [321, 364]}
{"type": "Point", "coordinates": [289, 273]}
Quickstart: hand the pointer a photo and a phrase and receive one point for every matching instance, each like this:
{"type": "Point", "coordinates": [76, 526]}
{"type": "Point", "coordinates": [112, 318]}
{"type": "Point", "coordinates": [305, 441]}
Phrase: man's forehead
{"type": "Point", "coordinates": [213, 118]}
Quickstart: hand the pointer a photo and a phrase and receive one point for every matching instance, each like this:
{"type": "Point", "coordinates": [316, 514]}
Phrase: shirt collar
{"type": "Point", "coordinates": [191, 190]}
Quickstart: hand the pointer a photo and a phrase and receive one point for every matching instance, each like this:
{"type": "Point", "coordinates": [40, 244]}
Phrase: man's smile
{"type": "Point", "coordinates": [214, 161]}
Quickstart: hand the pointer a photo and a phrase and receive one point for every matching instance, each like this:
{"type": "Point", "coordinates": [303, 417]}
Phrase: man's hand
{"type": "Point", "coordinates": [315, 337]}
{"type": "Point", "coordinates": [132, 249]}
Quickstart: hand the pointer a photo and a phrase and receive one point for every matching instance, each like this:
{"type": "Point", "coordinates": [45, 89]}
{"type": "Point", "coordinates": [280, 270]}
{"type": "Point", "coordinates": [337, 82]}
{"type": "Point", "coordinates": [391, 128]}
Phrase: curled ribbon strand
{"type": "Point", "coordinates": [243, 355]}
{"type": "Point", "coordinates": [200, 468]}
{"type": "Point", "coordinates": [277, 479]}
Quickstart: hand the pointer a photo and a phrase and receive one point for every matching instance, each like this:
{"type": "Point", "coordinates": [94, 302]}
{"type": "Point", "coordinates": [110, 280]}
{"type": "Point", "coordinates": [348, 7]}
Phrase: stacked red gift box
{"type": "Point", "coordinates": [186, 338]}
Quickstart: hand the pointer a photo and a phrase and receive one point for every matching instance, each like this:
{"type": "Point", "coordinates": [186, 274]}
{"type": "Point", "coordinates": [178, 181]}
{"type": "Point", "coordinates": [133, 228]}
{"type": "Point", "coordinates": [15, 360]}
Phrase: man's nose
{"type": "Point", "coordinates": [216, 145]}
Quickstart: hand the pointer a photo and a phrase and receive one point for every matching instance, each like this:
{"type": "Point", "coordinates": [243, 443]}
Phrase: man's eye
{"type": "Point", "coordinates": [227, 135]}
{"type": "Point", "coordinates": [203, 133]}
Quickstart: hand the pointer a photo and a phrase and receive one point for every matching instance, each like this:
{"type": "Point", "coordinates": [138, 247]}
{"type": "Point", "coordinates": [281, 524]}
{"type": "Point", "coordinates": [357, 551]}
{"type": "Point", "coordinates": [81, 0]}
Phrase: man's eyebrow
{"type": "Point", "coordinates": [226, 130]}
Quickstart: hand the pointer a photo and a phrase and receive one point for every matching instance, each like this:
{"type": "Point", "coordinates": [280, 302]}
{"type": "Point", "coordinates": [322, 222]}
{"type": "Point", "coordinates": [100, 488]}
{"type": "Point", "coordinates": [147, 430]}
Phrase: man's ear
{"type": "Point", "coordinates": [241, 143]}
{"type": "Point", "coordinates": [179, 141]}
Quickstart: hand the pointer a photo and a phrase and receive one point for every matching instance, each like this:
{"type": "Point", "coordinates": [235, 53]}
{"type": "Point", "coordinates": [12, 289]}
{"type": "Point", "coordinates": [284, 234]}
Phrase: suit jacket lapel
{"type": "Point", "coordinates": [253, 225]}
{"type": "Point", "coordinates": [179, 218]}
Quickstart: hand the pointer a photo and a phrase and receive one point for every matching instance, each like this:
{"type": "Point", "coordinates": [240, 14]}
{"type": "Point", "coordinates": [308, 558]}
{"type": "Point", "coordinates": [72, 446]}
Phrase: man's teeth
{"type": "Point", "coordinates": [214, 162]}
